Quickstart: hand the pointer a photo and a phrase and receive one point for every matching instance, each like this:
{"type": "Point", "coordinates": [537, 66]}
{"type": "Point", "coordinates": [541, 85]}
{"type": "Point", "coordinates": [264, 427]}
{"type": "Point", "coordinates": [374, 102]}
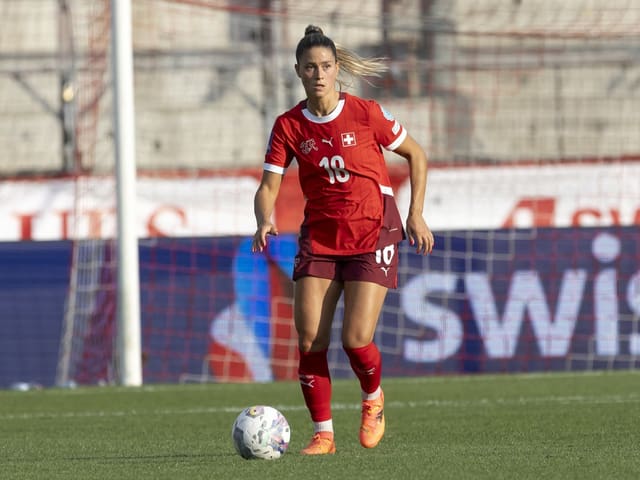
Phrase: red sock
{"type": "Point", "coordinates": [315, 381]}
{"type": "Point", "coordinates": [366, 363]}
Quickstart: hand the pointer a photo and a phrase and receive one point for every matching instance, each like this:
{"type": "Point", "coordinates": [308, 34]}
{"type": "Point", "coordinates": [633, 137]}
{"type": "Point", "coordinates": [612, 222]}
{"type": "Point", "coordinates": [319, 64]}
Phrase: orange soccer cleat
{"type": "Point", "coordinates": [322, 443]}
{"type": "Point", "coordinates": [372, 423]}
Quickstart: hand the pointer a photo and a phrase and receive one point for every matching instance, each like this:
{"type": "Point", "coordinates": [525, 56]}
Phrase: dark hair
{"type": "Point", "coordinates": [350, 62]}
{"type": "Point", "coordinates": [314, 37]}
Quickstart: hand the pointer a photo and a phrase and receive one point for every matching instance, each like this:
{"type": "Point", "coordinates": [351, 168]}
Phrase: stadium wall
{"type": "Point", "coordinates": [560, 77]}
{"type": "Point", "coordinates": [220, 203]}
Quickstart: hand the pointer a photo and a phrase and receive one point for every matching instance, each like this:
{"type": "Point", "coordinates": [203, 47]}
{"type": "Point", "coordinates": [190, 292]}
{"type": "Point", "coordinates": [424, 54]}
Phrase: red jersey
{"type": "Point", "coordinates": [342, 170]}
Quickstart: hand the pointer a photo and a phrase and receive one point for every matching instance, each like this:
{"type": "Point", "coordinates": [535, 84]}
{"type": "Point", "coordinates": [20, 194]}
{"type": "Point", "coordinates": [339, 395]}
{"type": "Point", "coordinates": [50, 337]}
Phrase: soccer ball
{"type": "Point", "coordinates": [261, 432]}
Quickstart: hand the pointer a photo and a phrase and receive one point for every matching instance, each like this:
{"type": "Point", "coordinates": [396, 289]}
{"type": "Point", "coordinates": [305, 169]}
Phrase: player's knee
{"type": "Point", "coordinates": [312, 344]}
{"type": "Point", "coordinates": [356, 340]}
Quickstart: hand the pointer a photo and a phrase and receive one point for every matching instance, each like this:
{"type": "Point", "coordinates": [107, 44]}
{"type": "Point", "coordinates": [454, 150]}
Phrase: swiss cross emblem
{"type": "Point", "coordinates": [348, 139]}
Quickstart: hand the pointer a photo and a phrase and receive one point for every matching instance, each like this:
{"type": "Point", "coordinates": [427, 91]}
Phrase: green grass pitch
{"type": "Point", "coordinates": [537, 426]}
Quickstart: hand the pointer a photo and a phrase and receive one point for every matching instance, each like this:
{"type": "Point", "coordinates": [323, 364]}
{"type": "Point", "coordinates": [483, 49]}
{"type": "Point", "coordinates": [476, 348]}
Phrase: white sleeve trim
{"type": "Point", "coordinates": [398, 140]}
{"type": "Point", "coordinates": [274, 168]}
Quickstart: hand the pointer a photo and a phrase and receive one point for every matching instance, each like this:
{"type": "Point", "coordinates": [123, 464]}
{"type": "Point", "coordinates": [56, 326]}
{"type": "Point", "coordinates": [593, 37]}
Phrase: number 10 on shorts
{"type": "Point", "coordinates": [385, 255]}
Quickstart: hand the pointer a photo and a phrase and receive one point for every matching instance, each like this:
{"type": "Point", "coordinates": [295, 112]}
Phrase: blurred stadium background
{"type": "Point", "coordinates": [530, 113]}
{"type": "Point", "coordinates": [486, 81]}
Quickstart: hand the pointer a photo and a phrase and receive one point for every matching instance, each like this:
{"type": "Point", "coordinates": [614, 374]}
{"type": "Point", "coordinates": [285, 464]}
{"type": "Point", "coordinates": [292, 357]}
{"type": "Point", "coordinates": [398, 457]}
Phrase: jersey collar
{"type": "Point", "coordinates": [327, 118]}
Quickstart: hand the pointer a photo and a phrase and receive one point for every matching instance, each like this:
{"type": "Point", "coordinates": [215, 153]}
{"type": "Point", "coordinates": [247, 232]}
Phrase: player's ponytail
{"type": "Point", "coordinates": [350, 62]}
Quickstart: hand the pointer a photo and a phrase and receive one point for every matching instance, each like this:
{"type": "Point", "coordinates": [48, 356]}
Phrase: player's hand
{"type": "Point", "coordinates": [419, 235]}
{"type": "Point", "coordinates": [260, 237]}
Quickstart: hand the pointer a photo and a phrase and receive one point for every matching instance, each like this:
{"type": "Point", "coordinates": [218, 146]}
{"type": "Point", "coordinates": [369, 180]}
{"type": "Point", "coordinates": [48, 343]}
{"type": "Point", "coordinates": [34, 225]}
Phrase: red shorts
{"type": "Point", "coordinates": [380, 266]}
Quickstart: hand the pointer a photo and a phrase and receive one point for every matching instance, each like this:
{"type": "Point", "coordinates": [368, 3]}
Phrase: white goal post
{"type": "Point", "coordinates": [129, 369]}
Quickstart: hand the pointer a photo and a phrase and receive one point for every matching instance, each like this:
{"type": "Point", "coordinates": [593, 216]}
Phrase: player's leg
{"type": "Point", "coordinates": [363, 304]}
{"type": "Point", "coordinates": [314, 307]}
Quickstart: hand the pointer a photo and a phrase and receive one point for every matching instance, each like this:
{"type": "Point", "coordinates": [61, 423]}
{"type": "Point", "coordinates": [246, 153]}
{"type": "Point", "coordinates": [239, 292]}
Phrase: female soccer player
{"type": "Point", "coordinates": [351, 229]}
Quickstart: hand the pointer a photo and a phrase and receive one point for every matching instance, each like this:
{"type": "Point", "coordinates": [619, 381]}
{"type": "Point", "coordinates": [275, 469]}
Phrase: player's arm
{"type": "Point", "coordinates": [263, 205]}
{"type": "Point", "coordinates": [416, 227]}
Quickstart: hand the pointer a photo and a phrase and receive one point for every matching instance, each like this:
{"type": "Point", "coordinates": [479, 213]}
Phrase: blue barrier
{"type": "Point", "coordinates": [484, 301]}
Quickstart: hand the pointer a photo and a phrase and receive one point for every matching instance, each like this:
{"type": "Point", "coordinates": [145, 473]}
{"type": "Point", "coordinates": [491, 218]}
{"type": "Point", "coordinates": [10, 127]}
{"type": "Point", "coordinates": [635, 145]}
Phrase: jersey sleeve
{"type": "Point", "coordinates": [388, 131]}
{"type": "Point", "coordinates": [279, 154]}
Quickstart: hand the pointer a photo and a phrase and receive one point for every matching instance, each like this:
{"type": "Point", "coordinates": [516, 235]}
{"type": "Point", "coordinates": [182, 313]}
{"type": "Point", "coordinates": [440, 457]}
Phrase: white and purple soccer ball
{"type": "Point", "coordinates": [261, 432]}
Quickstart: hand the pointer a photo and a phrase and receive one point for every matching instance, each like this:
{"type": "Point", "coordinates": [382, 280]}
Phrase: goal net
{"type": "Point", "coordinates": [528, 112]}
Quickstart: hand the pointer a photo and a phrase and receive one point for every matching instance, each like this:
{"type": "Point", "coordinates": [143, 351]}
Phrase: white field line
{"type": "Point", "coordinates": [481, 402]}
{"type": "Point", "coordinates": [426, 380]}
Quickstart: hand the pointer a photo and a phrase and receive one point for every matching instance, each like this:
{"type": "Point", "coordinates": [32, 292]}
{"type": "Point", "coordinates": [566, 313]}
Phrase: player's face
{"type": "Point", "coordinates": [318, 70]}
